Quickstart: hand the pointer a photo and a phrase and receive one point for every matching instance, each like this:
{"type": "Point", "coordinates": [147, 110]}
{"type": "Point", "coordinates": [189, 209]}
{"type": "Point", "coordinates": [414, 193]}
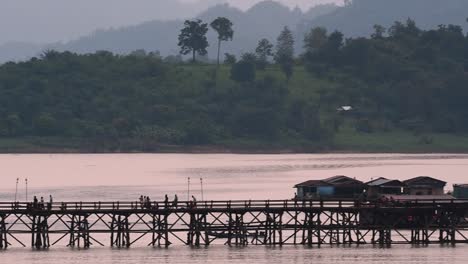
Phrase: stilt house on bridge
{"type": "Point", "coordinates": [335, 187]}
{"type": "Point", "coordinates": [346, 187]}
{"type": "Point", "coordinates": [383, 186]}
{"type": "Point", "coordinates": [424, 185]}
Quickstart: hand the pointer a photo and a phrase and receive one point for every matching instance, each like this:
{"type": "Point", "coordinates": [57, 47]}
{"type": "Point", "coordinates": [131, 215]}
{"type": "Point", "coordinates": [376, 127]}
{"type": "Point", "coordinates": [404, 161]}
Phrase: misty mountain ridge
{"type": "Point", "coordinates": [267, 17]}
{"type": "Point", "coordinates": [358, 18]}
{"type": "Point", "coordinates": [264, 20]}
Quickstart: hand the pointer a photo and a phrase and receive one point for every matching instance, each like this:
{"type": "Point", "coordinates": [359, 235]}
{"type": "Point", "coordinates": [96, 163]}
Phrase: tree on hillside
{"type": "Point", "coordinates": [223, 27]}
{"type": "Point", "coordinates": [229, 59]}
{"type": "Point", "coordinates": [244, 70]}
{"type": "Point", "coordinates": [192, 38]}
{"type": "Point", "coordinates": [315, 39]}
{"type": "Point", "coordinates": [401, 30]}
{"type": "Point", "coordinates": [285, 52]}
{"type": "Point", "coordinates": [333, 47]}
{"type": "Point", "coordinates": [264, 51]}
{"type": "Point", "coordinates": [379, 32]}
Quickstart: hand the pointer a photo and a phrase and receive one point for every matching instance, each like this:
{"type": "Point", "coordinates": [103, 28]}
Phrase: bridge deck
{"type": "Point", "coordinates": [257, 222]}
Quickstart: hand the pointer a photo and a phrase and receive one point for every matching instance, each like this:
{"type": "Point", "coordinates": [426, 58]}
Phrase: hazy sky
{"type": "Point", "coordinates": [43, 21]}
{"type": "Point", "coordinates": [244, 4]}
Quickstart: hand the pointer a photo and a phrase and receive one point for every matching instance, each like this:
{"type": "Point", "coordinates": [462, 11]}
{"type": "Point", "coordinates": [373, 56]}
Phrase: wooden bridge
{"type": "Point", "coordinates": [234, 223]}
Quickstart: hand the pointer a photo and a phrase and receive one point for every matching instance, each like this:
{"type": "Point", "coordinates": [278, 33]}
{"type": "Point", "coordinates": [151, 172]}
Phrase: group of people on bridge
{"type": "Point", "coordinates": [145, 202]}
{"type": "Point", "coordinates": [41, 204]}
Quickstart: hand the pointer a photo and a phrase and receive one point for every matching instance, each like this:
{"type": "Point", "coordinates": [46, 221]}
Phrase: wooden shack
{"type": "Point", "coordinates": [424, 185]}
{"type": "Point", "coordinates": [460, 191]}
{"type": "Point", "coordinates": [383, 186]}
{"type": "Point", "coordinates": [333, 187]}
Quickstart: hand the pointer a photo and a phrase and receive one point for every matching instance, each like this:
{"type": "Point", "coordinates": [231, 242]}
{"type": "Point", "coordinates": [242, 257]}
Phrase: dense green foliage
{"type": "Point", "coordinates": [409, 81]}
{"type": "Point", "coordinates": [192, 38]}
{"type": "Point", "coordinates": [108, 98]}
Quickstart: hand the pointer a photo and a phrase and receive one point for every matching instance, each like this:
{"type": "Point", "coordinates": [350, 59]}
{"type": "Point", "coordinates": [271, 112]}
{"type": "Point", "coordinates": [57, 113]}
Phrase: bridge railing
{"type": "Point", "coordinates": [134, 205]}
{"type": "Point", "coordinates": [233, 204]}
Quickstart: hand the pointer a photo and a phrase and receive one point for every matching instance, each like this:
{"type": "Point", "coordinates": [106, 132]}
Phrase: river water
{"type": "Point", "coordinates": [224, 177]}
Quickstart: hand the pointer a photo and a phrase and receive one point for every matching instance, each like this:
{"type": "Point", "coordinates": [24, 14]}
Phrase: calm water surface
{"type": "Point", "coordinates": [126, 177]}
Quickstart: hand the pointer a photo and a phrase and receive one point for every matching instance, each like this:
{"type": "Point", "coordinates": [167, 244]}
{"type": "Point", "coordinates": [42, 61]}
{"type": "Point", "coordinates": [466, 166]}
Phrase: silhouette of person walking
{"type": "Point", "coordinates": [51, 201]}
{"type": "Point", "coordinates": [141, 201]}
{"type": "Point", "coordinates": [176, 200]}
{"type": "Point", "coordinates": [166, 201]}
{"type": "Point", "coordinates": [194, 201]}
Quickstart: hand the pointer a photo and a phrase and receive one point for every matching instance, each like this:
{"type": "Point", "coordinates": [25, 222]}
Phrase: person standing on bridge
{"type": "Point", "coordinates": [166, 201]}
{"type": "Point", "coordinates": [41, 205]}
{"type": "Point", "coordinates": [35, 202]}
{"type": "Point", "coordinates": [51, 201]}
{"type": "Point", "coordinates": [148, 202]}
{"type": "Point", "coordinates": [176, 200]}
{"type": "Point", "coordinates": [194, 201]}
{"type": "Point", "coordinates": [141, 201]}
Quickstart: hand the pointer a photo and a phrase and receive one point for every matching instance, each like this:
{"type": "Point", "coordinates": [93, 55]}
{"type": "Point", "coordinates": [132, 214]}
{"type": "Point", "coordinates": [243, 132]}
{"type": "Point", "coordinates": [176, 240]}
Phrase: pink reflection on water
{"type": "Point", "coordinates": [226, 176]}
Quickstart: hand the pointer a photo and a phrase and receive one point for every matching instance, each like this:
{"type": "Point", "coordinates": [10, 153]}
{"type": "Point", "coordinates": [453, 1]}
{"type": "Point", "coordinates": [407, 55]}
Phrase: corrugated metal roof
{"type": "Point", "coordinates": [378, 181]}
{"type": "Point", "coordinates": [342, 181]}
{"type": "Point", "coordinates": [312, 183]}
{"type": "Point", "coordinates": [384, 181]}
{"type": "Point", "coordinates": [422, 178]}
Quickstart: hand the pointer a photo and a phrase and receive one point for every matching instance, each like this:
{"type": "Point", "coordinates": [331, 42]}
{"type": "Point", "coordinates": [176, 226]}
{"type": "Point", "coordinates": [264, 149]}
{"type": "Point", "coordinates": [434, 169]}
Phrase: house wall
{"type": "Point", "coordinates": [460, 192]}
{"type": "Point", "coordinates": [325, 191]}
{"type": "Point", "coordinates": [424, 191]}
{"type": "Point", "coordinates": [315, 192]}
{"type": "Point", "coordinates": [372, 191]}
{"type": "Point", "coordinates": [300, 192]}
{"type": "Point", "coordinates": [348, 192]}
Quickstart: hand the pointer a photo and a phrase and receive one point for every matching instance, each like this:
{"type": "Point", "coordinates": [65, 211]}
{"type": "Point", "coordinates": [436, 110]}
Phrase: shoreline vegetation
{"type": "Point", "coordinates": [403, 89]}
{"type": "Point", "coordinates": [392, 142]}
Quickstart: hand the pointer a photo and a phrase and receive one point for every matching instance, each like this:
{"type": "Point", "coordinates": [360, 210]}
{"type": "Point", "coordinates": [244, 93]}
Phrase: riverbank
{"type": "Point", "coordinates": [349, 142]}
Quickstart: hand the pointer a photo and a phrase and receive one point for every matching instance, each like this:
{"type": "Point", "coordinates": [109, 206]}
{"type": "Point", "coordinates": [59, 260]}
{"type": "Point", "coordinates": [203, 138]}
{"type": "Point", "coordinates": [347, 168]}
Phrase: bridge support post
{"type": "Point", "coordinates": [447, 235]}
{"type": "Point", "coordinates": [274, 228]}
{"type": "Point", "coordinates": [160, 231]}
{"type": "Point", "coordinates": [335, 230]}
{"type": "Point", "coordinates": [419, 236]}
{"type": "Point", "coordinates": [307, 229]}
{"type": "Point", "coordinates": [120, 231]}
{"type": "Point", "coordinates": [312, 229]}
{"type": "Point", "coordinates": [3, 233]}
{"type": "Point", "coordinates": [349, 223]}
{"type": "Point", "coordinates": [448, 223]}
{"type": "Point", "coordinates": [382, 237]}
{"type": "Point", "coordinates": [197, 226]}
{"type": "Point", "coordinates": [237, 232]}
{"type": "Point", "coordinates": [40, 232]}
{"type": "Point", "coordinates": [79, 232]}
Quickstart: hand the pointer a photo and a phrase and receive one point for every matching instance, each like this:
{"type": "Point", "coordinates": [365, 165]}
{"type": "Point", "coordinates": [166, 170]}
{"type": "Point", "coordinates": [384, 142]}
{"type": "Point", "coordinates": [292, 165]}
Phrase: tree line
{"type": "Point", "coordinates": [401, 78]}
{"type": "Point", "coordinates": [193, 40]}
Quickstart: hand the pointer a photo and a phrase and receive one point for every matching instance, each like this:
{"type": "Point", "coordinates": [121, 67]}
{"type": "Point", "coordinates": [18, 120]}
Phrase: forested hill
{"type": "Point", "coordinates": [358, 17]}
{"type": "Point", "coordinates": [406, 87]}
{"type": "Point", "coordinates": [262, 20]}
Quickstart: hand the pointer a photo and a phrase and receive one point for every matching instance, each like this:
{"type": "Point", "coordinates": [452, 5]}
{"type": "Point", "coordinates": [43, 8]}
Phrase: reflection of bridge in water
{"type": "Point", "coordinates": [234, 223]}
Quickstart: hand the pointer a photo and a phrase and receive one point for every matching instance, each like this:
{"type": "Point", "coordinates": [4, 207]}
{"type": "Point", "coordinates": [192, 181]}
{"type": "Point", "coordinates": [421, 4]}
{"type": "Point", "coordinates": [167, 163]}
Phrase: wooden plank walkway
{"type": "Point", "coordinates": [234, 223]}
